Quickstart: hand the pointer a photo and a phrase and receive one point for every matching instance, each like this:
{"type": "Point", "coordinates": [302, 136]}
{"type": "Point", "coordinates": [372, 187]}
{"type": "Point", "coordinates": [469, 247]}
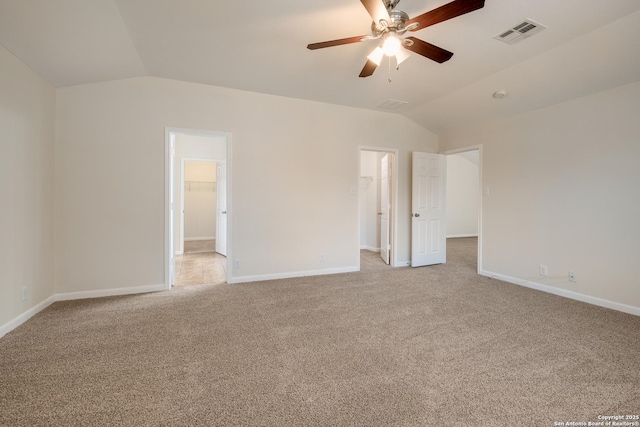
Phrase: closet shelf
{"type": "Point", "coordinates": [200, 185]}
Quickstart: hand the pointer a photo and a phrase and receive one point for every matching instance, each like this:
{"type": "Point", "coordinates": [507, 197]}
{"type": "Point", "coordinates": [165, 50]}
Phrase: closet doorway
{"type": "Point", "coordinates": [199, 262]}
{"type": "Point", "coordinates": [197, 220]}
{"type": "Point", "coordinates": [378, 207]}
{"type": "Point", "coordinates": [198, 203]}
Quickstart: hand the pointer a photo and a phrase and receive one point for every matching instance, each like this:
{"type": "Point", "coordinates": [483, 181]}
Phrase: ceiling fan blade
{"type": "Point", "coordinates": [377, 10]}
{"type": "Point", "coordinates": [443, 13]}
{"type": "Point", "coordinates": [368, 69]}
{"type": "Point", "coordinates": [428, 50]}
{"type": "Point", "coordinates": [338, 42]}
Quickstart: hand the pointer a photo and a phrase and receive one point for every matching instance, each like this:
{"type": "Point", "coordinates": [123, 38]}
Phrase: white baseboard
{"type": "Point", "coordinates": [455, 236]}
{"type": "Point", "coordinates": [67, 296]}
{"type": "Point", "coordinates": [370, 248]}
{"type": "Point", "coordinates": [262, 277]}
{"type": "Point", "coordinates": [12, 324]}
{"type": "Point", "coordinates": [564, 293]}
{"type": "Point", "coordinates": [193, 239]}
{"type": "Point", "coordinates": [403, 263]}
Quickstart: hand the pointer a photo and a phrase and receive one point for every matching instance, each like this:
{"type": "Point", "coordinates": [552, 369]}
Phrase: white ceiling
{"type": "Point", "coordinates": [261, 46]}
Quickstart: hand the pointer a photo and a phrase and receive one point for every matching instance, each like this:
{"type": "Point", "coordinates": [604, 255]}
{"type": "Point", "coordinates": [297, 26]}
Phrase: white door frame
{"type": "Point", "coordinates": [384, 167]}
{"type": "Point", "coordinates": [169, 251]}
{"type": "Point", "coordinates": [394, 201]}
{"type": "Point", "coordinates": [221, 210]}
{"type": "Point", "coordinates": [480, 192]}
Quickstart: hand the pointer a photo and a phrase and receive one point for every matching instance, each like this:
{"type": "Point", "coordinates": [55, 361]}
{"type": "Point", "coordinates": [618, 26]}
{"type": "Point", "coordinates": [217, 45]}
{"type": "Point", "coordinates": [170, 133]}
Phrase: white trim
{"type": "Point", "coordinates": [456, 236]}
{"type": "Point", "coordinates": [480, 186]}
{"type": "Point", "coordinates": [564, 293]}
{"type": "Point", "coordinates": [194, 239]}
{"type": "Point", "coordinates": [68, 296]}
{"type": "Point", "coordinates": [169, 158]}
{"type": "Point", "coordinates": [275, 276]}
{"type": "Point", "coordinates": [403, 263]}
{"type": "Point", "coordinates": [12, 324]}
{"type": "Point", "coordinates": [369, 248]}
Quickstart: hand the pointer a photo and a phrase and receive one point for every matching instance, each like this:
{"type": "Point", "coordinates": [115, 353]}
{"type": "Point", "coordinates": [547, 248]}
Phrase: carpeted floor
{"type": "Point", "coordinates": [431, 346]}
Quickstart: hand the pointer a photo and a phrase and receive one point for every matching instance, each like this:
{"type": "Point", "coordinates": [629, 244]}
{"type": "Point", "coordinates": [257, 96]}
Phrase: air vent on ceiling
{"type": "Point", "coordinates": [392, 104]}
{"type": "Point", "coordinates": [520, 32]}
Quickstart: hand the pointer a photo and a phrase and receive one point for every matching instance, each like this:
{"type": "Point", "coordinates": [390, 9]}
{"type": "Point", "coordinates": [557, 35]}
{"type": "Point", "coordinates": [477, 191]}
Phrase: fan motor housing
{"type": "Point", "coordinates": [390, 4]}
{"type": "Point", "coordinates": [398, 18]}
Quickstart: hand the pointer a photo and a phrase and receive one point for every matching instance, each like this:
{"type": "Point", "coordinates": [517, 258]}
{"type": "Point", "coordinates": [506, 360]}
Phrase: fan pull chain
{"type": "Point", "coordinates": [389, 78]}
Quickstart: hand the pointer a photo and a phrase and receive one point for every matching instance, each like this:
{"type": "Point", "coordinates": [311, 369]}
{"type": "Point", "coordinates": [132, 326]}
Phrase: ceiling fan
{"type": "Point", "coordinates": [389, 26]}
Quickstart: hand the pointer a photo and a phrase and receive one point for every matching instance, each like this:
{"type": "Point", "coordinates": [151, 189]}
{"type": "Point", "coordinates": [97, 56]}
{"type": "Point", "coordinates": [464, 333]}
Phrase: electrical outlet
{"type": "Point", "coordinates": [572, 276]}
{"type": "Point", "coordinates": [23, 293]}
{"type": "Point", "coordinates": [543, 270]}
{"type": "Point", "coordinates": [236, 263]}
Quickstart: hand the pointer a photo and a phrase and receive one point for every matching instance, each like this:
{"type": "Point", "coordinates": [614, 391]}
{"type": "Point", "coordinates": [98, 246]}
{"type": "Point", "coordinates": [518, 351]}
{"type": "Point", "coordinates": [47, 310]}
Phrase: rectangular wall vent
{"type": "Point", "coordinates": [520, 32]}
{"type": "Point", "coordinates": [392, 104]}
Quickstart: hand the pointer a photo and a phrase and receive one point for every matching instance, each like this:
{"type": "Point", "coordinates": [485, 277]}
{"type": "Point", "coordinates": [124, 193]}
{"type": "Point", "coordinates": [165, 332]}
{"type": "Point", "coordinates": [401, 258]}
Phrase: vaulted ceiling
{"type": "Point", "coordinates": [261, 46]}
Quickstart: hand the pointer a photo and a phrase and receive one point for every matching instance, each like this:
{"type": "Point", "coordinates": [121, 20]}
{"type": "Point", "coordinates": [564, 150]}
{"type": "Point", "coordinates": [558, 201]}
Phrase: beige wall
{"type": "Point", "coordinates": [27, 119]}
{"type": "Point", "coordinates": [564, 187]}
{"type": "Point", "coordinates": [294, 179]}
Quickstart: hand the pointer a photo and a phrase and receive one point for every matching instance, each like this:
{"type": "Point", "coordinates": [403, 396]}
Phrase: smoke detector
{"type": "Point", "coordinates": [500, 94]}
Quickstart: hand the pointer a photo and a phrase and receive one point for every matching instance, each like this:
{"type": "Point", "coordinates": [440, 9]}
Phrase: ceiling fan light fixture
{"type": "Point", "coordinates": [391, 45]}
{"type": "Point", "coordinates": [376, 55]}
{"type": "Point", "coordinates": [401, 56]}
{"type": "Point", "coordinates": [390, 25]}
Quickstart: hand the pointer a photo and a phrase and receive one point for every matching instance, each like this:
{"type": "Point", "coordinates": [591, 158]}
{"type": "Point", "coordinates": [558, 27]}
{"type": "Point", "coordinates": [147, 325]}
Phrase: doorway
{"type": "Point", "coordinates": [198, 262]}
{"type": "Point", "coordinates": [196, 198]}
{"type": "Point", "coordinates": [464, 200]}
{"type": "Point", "coordinates": [198, 206]}
{"type": "Point", "coordinates": [377, 207]}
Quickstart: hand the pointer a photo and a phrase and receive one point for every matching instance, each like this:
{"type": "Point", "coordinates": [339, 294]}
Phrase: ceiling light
{"type": "Point", "coordinates": [376, 55]}
{"type": "Point", "coordinates": [401, 56]}
{"type": "Point", "coordinates": [501, 94]}
{"type": "Point", "coordinates": [391, 45]}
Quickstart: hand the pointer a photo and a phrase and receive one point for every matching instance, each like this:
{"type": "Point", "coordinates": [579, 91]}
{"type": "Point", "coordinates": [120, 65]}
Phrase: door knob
{"type": "Point", "coordinates": [416, 215]}
{"type": "Point", "coordinates": [379, 213]}
{"type": "Point", "coordinates": [224, 212]}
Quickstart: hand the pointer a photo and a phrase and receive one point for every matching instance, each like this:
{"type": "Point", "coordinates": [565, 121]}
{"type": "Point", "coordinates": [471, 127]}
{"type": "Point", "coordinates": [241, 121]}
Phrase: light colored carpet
{"type": "Point", "coordinates": [432, 346]}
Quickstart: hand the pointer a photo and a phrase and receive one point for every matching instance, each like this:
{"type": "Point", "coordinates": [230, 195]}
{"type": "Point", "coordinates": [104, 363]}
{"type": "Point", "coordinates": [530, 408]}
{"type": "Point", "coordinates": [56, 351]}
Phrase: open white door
{"type": "Point", "coordinates": [428, 226]}
{"type": "Point", "coordinates": [221, 209]}
{"type": "Point", "coordinates": [385, 187]}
